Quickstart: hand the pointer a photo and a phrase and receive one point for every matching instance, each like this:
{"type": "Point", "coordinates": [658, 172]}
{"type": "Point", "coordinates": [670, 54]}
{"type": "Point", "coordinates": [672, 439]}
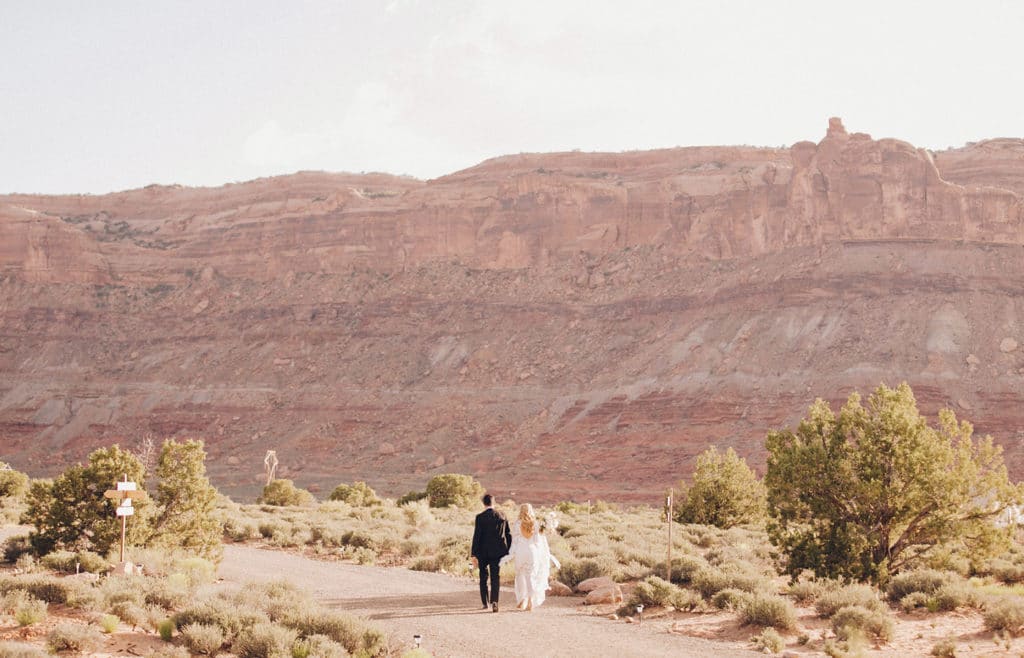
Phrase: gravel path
{"type": "Point", "coordinates": [445, 611]}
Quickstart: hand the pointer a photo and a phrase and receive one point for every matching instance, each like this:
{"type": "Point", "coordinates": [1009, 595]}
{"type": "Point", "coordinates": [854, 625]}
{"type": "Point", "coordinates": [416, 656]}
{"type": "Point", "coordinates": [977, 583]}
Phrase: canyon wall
{"type": "Point", "coordinates": [574, 324]}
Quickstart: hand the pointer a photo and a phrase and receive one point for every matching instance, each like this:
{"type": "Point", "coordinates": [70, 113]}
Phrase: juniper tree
{"type": "Point", "coordinates": [724, 492]}
{"type": "Point", "coordinates": [71, 511]}
{"type": "Point", "coordinates": [876, 490]}
{"type": "Point", "coordinates": [185, 501]}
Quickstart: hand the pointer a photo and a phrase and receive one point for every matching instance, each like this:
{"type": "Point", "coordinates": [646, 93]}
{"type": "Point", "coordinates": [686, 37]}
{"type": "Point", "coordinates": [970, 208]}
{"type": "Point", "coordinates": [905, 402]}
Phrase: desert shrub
{"type": "Point", "coordinates": [654, 591]}
{"type": "Point", "coordinates": [170, 594]}
{"type": "Point", "coordinates": [231, 617]}
{"type": "Point", "coordinates": [914, 600]}
{"type": "Point", "coordinates": [365, 556]}
{"type": "Point", "coordinates": [21, 650]}
{"type": "Point", "coordinates": [807, 591]}
{"type": "Point", "coordinates": [944, 648]}
{"type": "Point", "coordinates": [51, 589]}
{"type": "Point", "coordinates": [264, 640]}
{"type": "Point", "coordinates": [711, 580]}
{"type": "Point", "coordinates": [418, 514]}
{"type": "Point", "coordinates": [922, 580]}
{"type": "Point", "coordinates": [130, 612]}
{"type": "Point", "coordinates": [344, 629]}
{"type": "Point", "coordinates": [729, 598]}
{"type": "Point", "coordinates": [203, 638]}
{"type": "Point", "coordinates": [411, 497]}
{"type": "Point", "coordinates": [724, 492]}
{"type": "Point", "coordinates": [240, 530]}
{"type": "Point", "coordinates": [30, 611]}
{"type": "Point", "coordinates": [864, 596]}
{"type": "Point", "coordinates": [683, 568]}
{"type": "Point", "coordinates": [15, 547]}
{"type": "Point", "coordinates": [1006, 571]}
{"type": "Point", "coordinates": [769, 641]}
{"type": "Point", "coordinates": [166, 629]}
{"type": "Point", "coordinates": [318, 646]}
{"type": "Point", "coordinates": [453, 489]}
{"type": "Point", "coordinates": [1005, 615]}
{"type": "Point", "coordinates": [357, 494]}
{"type": "Point", "coordinates": [67, 636]}
{"type": "Point", "coordinates": [71, 562]}
{"type": "Point", "coordinates": [185, 501]}
{"type": "Point", "coordinates": [109, 623]}
{"type": "Point", "coordinates": [953, 595]}
{"type": "Point", "coordinates": [872, 622]}
{"type": "Point", "coordinates": [574, 572]}
{"type": "Point", "coordinates": [767, 610]}
{"type": "Point", "coordinates": [284, 493]}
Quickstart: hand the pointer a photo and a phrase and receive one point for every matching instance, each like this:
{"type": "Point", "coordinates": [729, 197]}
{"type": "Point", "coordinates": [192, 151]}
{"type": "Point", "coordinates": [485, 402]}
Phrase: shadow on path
{"type": "Point", "coordinates": [412, 605]}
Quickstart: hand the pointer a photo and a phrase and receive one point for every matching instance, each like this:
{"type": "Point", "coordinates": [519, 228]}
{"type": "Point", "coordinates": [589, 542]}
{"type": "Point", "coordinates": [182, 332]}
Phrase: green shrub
{"type": "Point", "coordinates": [1006, 571]}
{"type": "Point", "coordinates": [232, 618]}
{"type": "Point", "coordinates": [1005, 615]}
{"type": "Point", "coordinates": [365, 556]}
{"type": "Point", "coordinates": [30, 611]}
{"type": "Point", "coordinates": [21, 650]}
{"type": "Point", "coordinates": [166, 629]}
{"type": "Point", "coordinates": [724, 492]}
{"type": "Point", "coordinates": [864, 596]}
{"type": "Point", "coordinates": [344, 629]}
{"type": "Point", "coordinates": [70, 562]}
{"type": "Point", "coordinates": [284, 493]}
{"type": "Point", "coordinates": [134, 614]}
{"type": "Point", "coordinates": [873, 623]}
{"type": "Point", "coordinates": [953, 595]}
{"type": "Point", "coordinates": [683, 568]}
{"type": "Point", "coordinates": [264, 640]}
{"type": "Point", "coordinates": [318, 646]}
{"type": "Point", "coordinates": [67, 636]}
{"type": "Point", "coordinates": [808, 591]}
{"type": "Point", "coordinates": [411, 497]}
{"type": "Point", "coordinates": [203, 638]}
{"type": "Point", "coordinates": [357, 494]}
{"type": "Point", "coordinates": [769, 641]}
{"type": "Point", "coordinates": [185, 501]}
{"type": "Point", "coordinates": [109, 623]}
{"type": "Point", "coordinates": [767, 610]}
{"type": "Point", "coordinates": [914, 600]}
{"type": "Point", "coordinates": [574, 572]}
{"type": "Point", "coordinates": [944, 648]}
{"type": "Point", "coordinates": [15, 547]}
{"type": "Point", "coordinates": [453, 489]}
{"type": "Point", "coordinates": [654, 591]}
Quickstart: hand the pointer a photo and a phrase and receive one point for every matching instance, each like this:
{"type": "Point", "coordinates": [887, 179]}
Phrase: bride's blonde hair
{"type": "Point", "coordinates": [527, 520]}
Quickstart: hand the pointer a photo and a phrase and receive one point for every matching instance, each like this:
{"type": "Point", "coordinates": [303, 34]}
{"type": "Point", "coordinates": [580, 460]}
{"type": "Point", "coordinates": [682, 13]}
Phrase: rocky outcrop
{"type": "Point", "coordinates": [572, 324]}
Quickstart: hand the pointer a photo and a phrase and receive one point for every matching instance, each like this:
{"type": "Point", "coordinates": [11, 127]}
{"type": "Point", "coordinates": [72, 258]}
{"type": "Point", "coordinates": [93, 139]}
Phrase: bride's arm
{"type": "Point", "coordinates": [551, 556]}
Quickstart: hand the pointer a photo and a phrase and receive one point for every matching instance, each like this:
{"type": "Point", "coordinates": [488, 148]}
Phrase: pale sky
{"type": "Point", "coordinates": [106, 95]}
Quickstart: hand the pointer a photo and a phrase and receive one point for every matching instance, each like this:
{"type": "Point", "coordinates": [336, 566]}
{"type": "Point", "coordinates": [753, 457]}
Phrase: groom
{"type": "Point", "coordinates": [491, 539]}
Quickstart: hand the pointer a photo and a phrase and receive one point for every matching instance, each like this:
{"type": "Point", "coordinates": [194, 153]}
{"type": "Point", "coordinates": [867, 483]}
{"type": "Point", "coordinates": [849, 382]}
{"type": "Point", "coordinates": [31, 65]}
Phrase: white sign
{"type": "Point", "coordinates": [125, 511]}
{"type": "Point", "coordinates": [126, 486]}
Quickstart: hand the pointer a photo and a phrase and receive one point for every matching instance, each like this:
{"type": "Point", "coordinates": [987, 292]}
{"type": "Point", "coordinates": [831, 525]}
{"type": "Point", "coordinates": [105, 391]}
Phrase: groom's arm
{"type": "Point", "coordinates": [475, 550]}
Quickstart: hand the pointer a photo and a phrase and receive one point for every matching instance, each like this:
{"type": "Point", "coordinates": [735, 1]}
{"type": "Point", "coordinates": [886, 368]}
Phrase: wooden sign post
{"type": "Point", "coordinates": [123, 495]}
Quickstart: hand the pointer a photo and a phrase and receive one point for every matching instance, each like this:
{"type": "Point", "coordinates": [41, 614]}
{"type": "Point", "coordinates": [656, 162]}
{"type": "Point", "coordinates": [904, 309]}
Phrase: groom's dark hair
{"type": "Point", "coordinates": [488, 500]}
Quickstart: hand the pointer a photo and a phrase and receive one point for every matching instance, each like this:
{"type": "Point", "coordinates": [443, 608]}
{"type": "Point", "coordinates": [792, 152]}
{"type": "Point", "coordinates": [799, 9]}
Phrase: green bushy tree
{"type": "Point", "coordinates": [13, 489]}
{"type": "Point", "coordinates": [71, 512]}
{"type": "Point", "coordinates": [874, 490]}
{"type": "Point", "coordinates": [185, 500]}
{"type": "Point", "coordinates": [357, 494]}
{"type": "Point", "coordinates": [284, 493]}
{"type": "Point", "coordinates": [453, 489]}
{"type": "Point", "coordinates": [724, 492]}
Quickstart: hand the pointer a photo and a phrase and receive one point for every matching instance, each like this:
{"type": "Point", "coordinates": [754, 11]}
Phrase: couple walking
{"type": "Point", "coordinates": [496, 541]}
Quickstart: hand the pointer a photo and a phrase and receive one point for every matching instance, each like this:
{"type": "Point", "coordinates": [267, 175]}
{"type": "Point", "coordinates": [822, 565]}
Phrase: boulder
{"type": "Point", "coordinates": [607, 594]}
{"type": "Point", "coordinates": [590, 584]}
{"type": "Point", "coordinates": [556, 588]}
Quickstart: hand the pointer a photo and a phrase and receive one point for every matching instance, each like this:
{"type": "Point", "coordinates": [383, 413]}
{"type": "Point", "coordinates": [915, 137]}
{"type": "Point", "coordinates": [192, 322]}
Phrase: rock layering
{"type": "Point", "coordinates": [572, 324]}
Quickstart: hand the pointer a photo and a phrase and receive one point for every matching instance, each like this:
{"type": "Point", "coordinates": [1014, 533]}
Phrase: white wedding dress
{"type": "Point", "coordinates": [532, 558]}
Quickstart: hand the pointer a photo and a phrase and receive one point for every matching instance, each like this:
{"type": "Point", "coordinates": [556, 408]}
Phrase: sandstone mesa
{"type": "Point", "coordinates": [582, 324]}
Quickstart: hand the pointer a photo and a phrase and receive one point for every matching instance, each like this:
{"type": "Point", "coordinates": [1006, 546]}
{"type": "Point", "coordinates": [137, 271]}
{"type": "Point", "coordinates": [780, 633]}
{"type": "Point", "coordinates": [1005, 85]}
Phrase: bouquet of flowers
{"type": "Point", "coordinates": [548, 523]}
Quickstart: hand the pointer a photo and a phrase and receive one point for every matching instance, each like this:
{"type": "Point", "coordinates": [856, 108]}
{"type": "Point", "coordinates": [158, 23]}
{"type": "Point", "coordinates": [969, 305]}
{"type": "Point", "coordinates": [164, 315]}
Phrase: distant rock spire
{"type": "Point", "coordinates": [835, 127]}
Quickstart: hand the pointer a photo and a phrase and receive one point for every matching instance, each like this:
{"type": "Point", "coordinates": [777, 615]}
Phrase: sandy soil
{"type": "Point", "coordinates": [446, 612]}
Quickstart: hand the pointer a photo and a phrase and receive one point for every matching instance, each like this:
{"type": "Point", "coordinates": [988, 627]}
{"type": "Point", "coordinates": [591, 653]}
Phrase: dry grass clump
{"type": "Point", "coordinates": [264, 640]}
{"type": "Point", "coordinates": [203, 638]}
{"type": "Point", "coordinates": [318, 646]}
{"type": "Point", "coordinates": [936, 591]}
{"type": "Point", "coordinates": [655, 591]}
{"type": "Point", "coordinates": [944, 648]}
{"type": "Point", "coordinates": [70, 562]}
{"type": "Point", "coordinates": [769, 641]}
{"type": "Point", "coordinates": [30, 611]}
{"type": "Point", "coordinates": [711, 580]}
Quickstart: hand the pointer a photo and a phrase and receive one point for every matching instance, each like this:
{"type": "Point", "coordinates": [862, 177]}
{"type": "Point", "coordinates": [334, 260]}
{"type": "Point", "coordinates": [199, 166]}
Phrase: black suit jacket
{"type": "Point", "coordinates": [491, 536]}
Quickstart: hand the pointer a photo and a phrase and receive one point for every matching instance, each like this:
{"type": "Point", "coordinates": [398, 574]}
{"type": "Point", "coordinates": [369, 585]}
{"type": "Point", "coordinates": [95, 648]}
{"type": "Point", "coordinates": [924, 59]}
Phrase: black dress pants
{"type": "Point", "coordinates": [493, 567]}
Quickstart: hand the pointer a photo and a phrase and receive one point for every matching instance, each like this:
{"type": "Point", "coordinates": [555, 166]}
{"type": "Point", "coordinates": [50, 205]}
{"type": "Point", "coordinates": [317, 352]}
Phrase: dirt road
{"type": "Point", "coordinates": [444, 610]}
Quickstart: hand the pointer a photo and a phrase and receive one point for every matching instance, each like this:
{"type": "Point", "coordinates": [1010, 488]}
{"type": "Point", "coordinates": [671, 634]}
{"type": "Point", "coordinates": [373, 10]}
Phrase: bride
{"type": "Point", "coordinates": [532, 558]}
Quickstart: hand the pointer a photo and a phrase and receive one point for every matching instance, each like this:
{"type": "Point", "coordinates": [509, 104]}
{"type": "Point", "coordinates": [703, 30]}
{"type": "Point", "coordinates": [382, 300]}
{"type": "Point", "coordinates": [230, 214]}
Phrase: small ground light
{"type": "Point", "coordinates": [640, 611]}
{"type": "Point", "coordinates": [417, 639]}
